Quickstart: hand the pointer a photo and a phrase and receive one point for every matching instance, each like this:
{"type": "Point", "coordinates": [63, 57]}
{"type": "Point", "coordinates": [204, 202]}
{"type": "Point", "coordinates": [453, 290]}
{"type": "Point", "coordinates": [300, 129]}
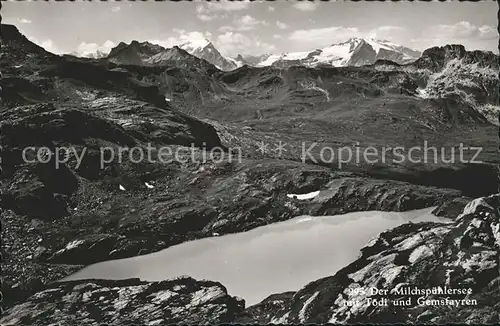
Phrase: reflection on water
{"type": "Point", "coordinates": [275, 258]}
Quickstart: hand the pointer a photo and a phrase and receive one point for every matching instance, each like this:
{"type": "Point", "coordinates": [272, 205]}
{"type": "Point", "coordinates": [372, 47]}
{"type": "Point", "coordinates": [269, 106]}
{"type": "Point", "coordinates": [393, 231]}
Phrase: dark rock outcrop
{"type": "Point", "coordinates": [55, 220]}
{"type": "Point", "coordinates": [263, 312]}
{"type": "Point", "coordinates": [353, 52]}
{"type": "Point", "coordinates": [148, 54]}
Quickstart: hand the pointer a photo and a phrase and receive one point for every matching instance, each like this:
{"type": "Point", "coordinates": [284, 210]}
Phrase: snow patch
{"type": "Point", "coordinates": [337, 55]}
{"type": "Point", "coordinates": [121, 188]}
{"type": "Point", "coordinates": [374, 267]}
{"type": "Point", "coordinates": [150, 186]}
{"type": "Point", "coordinates": [490, 112]}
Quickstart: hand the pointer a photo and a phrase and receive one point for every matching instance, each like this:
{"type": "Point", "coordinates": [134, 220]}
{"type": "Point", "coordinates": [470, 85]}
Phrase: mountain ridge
{"type": "Point", "coordinates": [353, 52]}
{"type": "Point", "coordinates": [204, 49]}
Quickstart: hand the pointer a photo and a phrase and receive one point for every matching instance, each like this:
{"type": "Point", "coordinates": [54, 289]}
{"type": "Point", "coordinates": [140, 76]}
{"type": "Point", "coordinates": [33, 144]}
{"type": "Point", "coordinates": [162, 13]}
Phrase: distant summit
{"type": "Point", "coordinates": [204, 49]}
{"type": "Point", "coordinates": [251, 60]}
{"type": "Point", "coordinates": [353, 52]}
{"type": "Point", "coordinates": [91, 55]}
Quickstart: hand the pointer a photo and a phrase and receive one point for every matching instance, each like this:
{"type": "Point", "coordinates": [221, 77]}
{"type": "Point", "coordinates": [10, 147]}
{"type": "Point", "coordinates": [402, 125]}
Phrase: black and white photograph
{"type": "Point", "coordinates": [249, 162]}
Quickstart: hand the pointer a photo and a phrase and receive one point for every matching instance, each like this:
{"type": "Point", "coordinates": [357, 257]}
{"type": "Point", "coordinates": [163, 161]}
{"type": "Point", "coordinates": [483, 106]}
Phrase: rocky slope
{"type": "Point", "coordinates": [353, 52]}
{"type": "Point", "coordinates": [149, 54]}
{"type": "Point", "coordinates": [204, 49]}
{"type": "Point", "coordinates": [461, 255]}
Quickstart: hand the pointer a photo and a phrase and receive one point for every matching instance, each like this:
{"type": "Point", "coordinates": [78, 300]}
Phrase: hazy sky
{"type": "Point", "coordinates": [253, 27]}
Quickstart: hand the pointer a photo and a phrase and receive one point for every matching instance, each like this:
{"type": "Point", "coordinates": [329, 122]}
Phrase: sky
{"type": "Point", "coordinates": [253, 28]}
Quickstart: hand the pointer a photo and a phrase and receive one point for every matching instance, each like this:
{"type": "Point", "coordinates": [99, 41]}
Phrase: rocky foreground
{"type": "Point", "coordinates": [462, 255]}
